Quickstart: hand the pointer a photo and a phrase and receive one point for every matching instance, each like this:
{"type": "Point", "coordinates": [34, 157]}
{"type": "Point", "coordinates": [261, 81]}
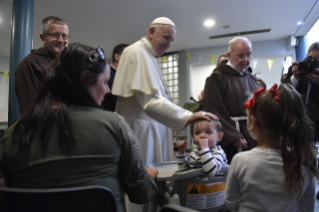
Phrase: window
{"type": "Point", "coordinates": [313, 34]}
{"type": "Point", "coordinates": [169, 67]}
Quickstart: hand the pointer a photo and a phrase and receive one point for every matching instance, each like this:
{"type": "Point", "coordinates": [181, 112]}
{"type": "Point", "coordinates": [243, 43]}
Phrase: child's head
{"type": "Point", "coordinates": [281, 115]}
{"type": "Point", "coordinates": [211, 130]}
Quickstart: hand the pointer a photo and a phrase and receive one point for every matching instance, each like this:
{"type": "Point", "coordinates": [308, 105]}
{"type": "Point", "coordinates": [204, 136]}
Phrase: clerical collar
{"type": "Point", "coordinates": [231, 65]}
{"type": "Point", "coordinates": [149, 46]}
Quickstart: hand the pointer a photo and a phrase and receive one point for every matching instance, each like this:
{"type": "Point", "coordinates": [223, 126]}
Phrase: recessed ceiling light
{"type": "Point", "coordinates": [226, 26]}
{"type": "Point", "coordinates": [299, 23]}
{"type": "Point", "coordinates": [209, 23]}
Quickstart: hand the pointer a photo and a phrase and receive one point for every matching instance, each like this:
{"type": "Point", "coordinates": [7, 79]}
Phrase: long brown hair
{"type": "Point", "coordinates": [287, 120]}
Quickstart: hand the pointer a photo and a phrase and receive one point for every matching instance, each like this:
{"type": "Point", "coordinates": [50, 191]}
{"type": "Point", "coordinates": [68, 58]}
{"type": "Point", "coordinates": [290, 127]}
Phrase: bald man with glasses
{"type": "Point", "coordinates": [226, 92]}
{"type": "Point", "coordinates": [32, 70]}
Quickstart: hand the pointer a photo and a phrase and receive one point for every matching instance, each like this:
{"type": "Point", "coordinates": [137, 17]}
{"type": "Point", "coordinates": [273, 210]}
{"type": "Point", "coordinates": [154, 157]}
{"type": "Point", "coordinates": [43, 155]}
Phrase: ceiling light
{"type": "Point", "coordinates": [209, 23]}
{"type": "Point", "coordinates": [299, 23]}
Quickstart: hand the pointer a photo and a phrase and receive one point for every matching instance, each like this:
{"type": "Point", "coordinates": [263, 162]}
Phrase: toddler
{"type": "Point", "coordinates": [208, 155]}
{"type": "Point", "coordinates": [279, 174]}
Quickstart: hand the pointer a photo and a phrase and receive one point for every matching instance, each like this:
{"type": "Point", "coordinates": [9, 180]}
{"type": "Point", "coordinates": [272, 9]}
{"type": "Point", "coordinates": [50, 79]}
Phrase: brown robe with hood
{"type": "Point", "coordinates": [30, 75]}
{"type": "Point", "coordinates": [225, 93]}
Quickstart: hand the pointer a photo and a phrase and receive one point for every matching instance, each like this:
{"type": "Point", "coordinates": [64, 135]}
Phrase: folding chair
{"type": "Point", "coordinates": [80, 199]}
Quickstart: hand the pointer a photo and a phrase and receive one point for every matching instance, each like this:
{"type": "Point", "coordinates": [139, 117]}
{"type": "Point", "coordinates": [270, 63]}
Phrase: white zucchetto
{"type": "Point", "coordinates": [164, 21]}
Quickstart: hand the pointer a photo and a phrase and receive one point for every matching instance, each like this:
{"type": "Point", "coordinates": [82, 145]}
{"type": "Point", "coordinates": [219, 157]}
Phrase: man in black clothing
{"type": "Point", "coordinates": [109, 102]}
{"type": "Point", "coordinates": [308, 87]}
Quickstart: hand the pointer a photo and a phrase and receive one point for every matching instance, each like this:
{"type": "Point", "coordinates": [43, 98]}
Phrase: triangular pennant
{"type": "Point", "coordinates": [189, 56]}
{"type": "Point", "coordinates": [212, 58]}
{"type": "Point", "coordinates": [255, 61]}
{"type": "Point", "coordinates": [6, 74]}
{"type": "Point", "coordinates": [165, 59]}
{"type": "Point", "coordinates": [270, 62]}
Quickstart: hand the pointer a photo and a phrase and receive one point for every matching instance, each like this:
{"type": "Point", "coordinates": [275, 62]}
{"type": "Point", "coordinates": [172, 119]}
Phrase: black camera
{"type": "Point", "coordinates": [308, 66]}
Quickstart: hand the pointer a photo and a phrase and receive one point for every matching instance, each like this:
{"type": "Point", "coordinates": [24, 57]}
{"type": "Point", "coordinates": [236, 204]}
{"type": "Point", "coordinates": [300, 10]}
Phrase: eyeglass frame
{"type": "Point", "coordinates": [242, 56]}
{"type": "Point", "coordinates": [97, 54]}
{"type": "Point", "coordinates": [54, 35]}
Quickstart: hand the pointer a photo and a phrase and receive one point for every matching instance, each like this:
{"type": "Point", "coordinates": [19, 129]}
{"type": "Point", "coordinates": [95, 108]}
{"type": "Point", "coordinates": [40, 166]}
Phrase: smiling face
{"type": "Point", "coordinates": [55, 45]}
{"type": "Point", "coordinates": [206, 130]}
{"type": "Point", "coordinates": [161, 38]}
{"type": "Point", "coordinates": [100, 88]}
{"type": "Point", "coordinates": [240, 55]}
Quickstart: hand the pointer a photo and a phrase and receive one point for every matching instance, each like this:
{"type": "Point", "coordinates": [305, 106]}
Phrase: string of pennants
{"type": "Point", "coordinates": [6, 73]}
{"type": "Point", "coordinates": [254, 62]}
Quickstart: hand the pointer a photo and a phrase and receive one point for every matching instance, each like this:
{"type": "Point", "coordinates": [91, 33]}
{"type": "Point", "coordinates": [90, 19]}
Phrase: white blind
{"type": "Point", "coordinates": [4, 97]}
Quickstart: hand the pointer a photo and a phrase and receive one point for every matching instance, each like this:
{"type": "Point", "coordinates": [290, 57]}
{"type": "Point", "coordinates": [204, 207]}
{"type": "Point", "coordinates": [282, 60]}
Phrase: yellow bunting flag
{"type": "Point", "coordinates": [270, 62]}
{"type": "Point", "coordinates": [6, 74]}
{"type": "Point", "coordinates": [212, 58]}
{"type": "Point", "coordinates": [189, 56]}
{"type": "Point", "coordinates": [165, 59]}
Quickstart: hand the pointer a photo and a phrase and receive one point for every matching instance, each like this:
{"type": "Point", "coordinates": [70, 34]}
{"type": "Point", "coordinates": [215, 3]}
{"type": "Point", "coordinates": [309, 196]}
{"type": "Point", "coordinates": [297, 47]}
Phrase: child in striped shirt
{"type": "Point", "coordinates": [208, 155]}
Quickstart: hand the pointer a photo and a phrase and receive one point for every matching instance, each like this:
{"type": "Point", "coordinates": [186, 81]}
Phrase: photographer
{"type": "Point", "coordinates": [304, 76]}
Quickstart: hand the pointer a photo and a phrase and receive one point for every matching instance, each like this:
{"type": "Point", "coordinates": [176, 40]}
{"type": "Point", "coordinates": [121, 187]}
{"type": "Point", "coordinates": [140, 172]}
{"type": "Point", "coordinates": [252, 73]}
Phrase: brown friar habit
{"type": "Point", "coordinates": [225, 93]}
{"type": "Point", "coordinates": [30, 75]}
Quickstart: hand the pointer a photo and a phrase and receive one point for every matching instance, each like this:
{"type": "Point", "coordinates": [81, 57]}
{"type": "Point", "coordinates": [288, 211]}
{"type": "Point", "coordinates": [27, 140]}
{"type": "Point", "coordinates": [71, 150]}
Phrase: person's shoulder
{"type": "Point", "coordinates": [90, 113]}
{"type": "Point", "coordinates": [38, 56]}
{"type": "Point", "coordinates": [243, 156]}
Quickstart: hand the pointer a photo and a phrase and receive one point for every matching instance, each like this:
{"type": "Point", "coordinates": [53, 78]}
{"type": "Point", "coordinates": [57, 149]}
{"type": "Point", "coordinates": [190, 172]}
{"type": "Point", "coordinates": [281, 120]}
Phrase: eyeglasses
{"type": "Point", "coordinates": [242, 56]}
{"type": "Point", "coordinates": [96, 54]}
{"type": "Point", "coordinates": [57, 36]}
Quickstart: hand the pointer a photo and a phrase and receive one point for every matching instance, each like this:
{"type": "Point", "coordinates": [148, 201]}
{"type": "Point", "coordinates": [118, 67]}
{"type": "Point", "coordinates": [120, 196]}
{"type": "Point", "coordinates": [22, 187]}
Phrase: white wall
{"type": "Point", "coordinates": [4, 63]}
{"type": "Point", "coordinates": [4, 88]}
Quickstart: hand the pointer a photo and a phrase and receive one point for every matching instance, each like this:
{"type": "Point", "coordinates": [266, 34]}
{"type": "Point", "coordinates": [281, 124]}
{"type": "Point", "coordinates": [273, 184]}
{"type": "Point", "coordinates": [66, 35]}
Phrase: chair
{"type": "Point", "coordinates": [190, 188]}
{"type": "Point", "coordinates": [176, 208]}
{"type": "Point", "coordinates": [80, 199]}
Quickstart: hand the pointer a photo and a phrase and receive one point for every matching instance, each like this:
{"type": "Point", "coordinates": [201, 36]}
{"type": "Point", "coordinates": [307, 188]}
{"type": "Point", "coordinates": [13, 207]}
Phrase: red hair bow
{"type": "Point", "coordinates": [273, 89]}
{"type": "Point", "coordinates": [250, 104]}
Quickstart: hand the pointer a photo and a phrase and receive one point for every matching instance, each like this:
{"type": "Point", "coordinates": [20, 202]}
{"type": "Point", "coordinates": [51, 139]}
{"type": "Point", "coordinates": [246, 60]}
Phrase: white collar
{"type": "Point", "coordinates": [231, 65]}
{"type": "Point", "coordinates": [149, 46]}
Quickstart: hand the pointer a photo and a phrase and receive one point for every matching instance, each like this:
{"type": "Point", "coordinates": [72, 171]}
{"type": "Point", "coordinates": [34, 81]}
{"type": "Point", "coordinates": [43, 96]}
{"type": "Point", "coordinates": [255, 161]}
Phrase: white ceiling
{"type": "Point", "coordinates": [107, 23]}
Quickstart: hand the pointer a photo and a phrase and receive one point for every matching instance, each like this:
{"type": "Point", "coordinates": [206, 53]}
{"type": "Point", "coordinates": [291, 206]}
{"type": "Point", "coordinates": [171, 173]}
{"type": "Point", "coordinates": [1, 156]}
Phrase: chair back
{"type": "Point", "coordinates": [175, 208]}
{"type": "Point", "coordinates": [80, 199]}
{"type": "Point", "coordinates": [200, 193]}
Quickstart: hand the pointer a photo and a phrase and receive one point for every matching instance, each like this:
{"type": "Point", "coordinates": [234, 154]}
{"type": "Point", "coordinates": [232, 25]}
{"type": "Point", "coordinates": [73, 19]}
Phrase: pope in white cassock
{"type": "Point", "coordinates": [143, 96]}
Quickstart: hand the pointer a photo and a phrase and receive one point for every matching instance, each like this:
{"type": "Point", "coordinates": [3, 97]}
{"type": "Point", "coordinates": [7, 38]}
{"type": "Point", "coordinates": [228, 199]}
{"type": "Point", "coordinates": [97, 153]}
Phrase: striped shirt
{"type": "Point", "coordinates": [211, 160]}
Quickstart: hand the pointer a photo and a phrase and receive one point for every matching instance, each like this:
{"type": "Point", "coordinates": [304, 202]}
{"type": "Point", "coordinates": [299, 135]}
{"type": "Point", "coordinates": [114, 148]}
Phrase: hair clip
{"type": "Point", "coordinates": [96, 54]}
{"type": "Point", "coordinates": [274, 89]}
{"type": "Point", "coordinates": [250, 104]}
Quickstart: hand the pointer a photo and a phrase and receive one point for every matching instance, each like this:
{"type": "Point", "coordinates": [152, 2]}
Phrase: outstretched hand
{"type": "Point", "coordinates": [181, 147]}
{"type": "Point", "coordinates": [152, 171]}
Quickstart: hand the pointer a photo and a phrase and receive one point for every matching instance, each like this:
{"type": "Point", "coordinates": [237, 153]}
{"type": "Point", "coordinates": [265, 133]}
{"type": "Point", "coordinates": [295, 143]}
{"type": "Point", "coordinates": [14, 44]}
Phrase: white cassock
{"type": "Point", "coordinates": [143, 101]}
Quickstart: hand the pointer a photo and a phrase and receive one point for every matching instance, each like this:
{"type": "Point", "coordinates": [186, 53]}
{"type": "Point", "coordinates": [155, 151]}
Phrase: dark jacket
{"type": "Point", "coordinates": [313, 103]}
{"type": "Point", "coordinates": [30, 75]}
{"type": "Point", "coordinates": [110, 100]}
